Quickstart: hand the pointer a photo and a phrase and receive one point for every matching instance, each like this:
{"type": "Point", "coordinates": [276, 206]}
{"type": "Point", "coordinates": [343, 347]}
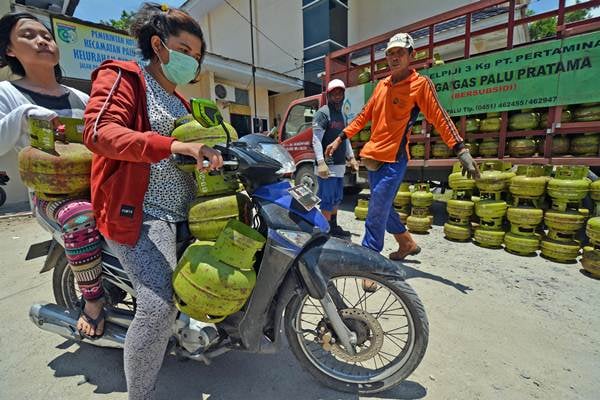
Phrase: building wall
{"type": "Point", "coordinates": [228, 34]}
{"type": "Point", "coordinates": [278, 104]}
{"type": "Point", "coordinates": [375, 17]}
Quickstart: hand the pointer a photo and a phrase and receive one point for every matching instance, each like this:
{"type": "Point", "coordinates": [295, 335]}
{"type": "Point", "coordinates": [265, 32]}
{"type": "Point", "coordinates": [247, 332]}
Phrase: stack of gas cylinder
{"type": "Point", "coordinates": [491, 208]}
{"type": "Point", "coordinates": [218, 197]}
{"type": "Point", "coordinates": [213, 280]}
{"type": "Point", "coordinates": [591, 254]}
{"type": "Point", "coordinates": [402, 202]}
{"type": "Point", "coordinates": [360, 139]}
{"type": "Point", "coordinates": [421, 200]}
{"type": "Point", "coordinates": [460, 207]}
{"type": "Point", "coordinates": [525, 215]}
{"type": "Point", "coordinates": [56, 170]}
{"type": "Point", "coordinates": [417, 150]}
{"type": "Point", "coordinates": [215, 275]}
{"type": "Point", "coordinates": [567, 189]}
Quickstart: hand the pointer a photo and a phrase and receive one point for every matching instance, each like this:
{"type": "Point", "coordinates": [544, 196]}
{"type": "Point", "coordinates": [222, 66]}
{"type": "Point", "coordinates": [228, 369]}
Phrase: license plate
{"type": "Point", "coordinates": [304, 196]}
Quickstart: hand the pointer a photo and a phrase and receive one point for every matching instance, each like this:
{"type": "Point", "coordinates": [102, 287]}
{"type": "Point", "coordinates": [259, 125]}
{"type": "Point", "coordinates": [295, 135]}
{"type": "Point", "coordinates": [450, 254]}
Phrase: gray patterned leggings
{"type": "Point", "coordinates": [149, 264]}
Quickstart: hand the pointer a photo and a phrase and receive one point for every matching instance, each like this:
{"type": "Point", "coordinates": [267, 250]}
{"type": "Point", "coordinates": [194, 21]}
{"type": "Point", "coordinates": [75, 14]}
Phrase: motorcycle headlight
{"type": "Point", "coordinates": [279, 153]}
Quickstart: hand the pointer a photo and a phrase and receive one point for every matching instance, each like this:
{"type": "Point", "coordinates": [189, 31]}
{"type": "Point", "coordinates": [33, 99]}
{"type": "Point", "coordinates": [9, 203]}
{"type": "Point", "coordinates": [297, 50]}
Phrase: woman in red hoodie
{"type": "Point", "coordinates": [138, 193]}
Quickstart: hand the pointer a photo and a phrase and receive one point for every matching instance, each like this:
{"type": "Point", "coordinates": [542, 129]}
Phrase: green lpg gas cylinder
{"type": "Point", "coordinates": [418, 224]}
{"type": "Point", "coordinates": [561, 251]}
{"type": "Point", "coordinates": [441, 150]}
{"type": "Point", "coordinates": [417, 151]}
{"type": "Point", "coordinates": [494, 176]}
{"type": "Point", "coordinates": [187, 129]}
{"type": "Point", "coordinates": [595, 190]}
{"type": "Point", "coordinates": [560, 145]}
{"type": "Point", "coordinates": [521, 147]}
{"type": "Point", "coordinates": [585, 145]}
{"type": "Point", "coordinates": [457, 181]}
{"type": "Point", "coordinates": [529, 185]}
{"type": "Point", "coordinates": [459, 233]}
{"type": "Point", "coordinates": [522, 245]}
{"type": "Point", "coordinates": [525, 216]}
{"type": "Point", "coordinates": [208, 289]}
{"type": "Point", "coordinates": [587, 113]}
{"type": "Point", "coordinates": [237, 244]}
{"type": "Point", "coordinates": [592, 230]}
{"type": "Point", "coordinates": [565, 116]}
{"type": "Point", "coordinates": [208, 216]}
{"type": "Point", "coordinates": [566, 222]}
{"type": "Point", "coordinates": [417, 129]}
{"type": "Point", "coordinates": [472, 125]}
{"type": "Point", "coordinates": [523, 121]}
{"type": "Point", "coordinates": [569, 184]}
{"type": "Point", "coordinates": [488, 147]}
{"type": "Point", "coordinates": [421, 197]}
{"type": "Point", "coordinates": [460, 208]}
{"type": "Point", "coordinates": [487, 238]}
{"type": "Point", "coordinates": [361, 209]}
{"type": "Point", "coordinates": [591, 261]}
{"type": "Point", "coordinates": [365, 135]}
{"type": "Point", "coordinates": [491, 213]}
{"type": "Point", "coordinates": [58, 174]}
{"type": "Point", "coordinates": [403, 196]}
{"type": "Point", "coordinates": [491, 123]}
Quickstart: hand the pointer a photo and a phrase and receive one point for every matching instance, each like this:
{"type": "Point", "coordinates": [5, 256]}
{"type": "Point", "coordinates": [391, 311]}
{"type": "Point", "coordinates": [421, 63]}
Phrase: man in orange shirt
{"type": "Point", "coordinates": [393, 109]}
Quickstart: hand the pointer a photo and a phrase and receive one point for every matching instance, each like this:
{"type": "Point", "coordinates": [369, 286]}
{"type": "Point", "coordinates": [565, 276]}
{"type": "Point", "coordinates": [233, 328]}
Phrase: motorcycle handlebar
{"type": "Point", "coordinates": [188, 160]}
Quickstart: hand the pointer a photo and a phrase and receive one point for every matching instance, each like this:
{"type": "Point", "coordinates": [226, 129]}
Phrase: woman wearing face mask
{"type": "Point", "coordinates": [29, 50]}
{"type": "Point", "coordinates": [138, 193]}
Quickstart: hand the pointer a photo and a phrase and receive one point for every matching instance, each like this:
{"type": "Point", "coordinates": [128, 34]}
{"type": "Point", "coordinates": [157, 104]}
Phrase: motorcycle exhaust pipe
{"type": "Point", "coordinates": [56, 319]}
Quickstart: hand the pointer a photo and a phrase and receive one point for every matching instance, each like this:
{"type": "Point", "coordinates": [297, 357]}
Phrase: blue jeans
{"type": "Point", "coordinates": [382, 216]}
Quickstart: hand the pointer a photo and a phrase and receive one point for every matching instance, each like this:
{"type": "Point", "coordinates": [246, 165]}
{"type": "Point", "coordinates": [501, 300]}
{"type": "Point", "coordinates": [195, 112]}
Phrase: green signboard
{"type": "Point", "coordinates": [552, 73]}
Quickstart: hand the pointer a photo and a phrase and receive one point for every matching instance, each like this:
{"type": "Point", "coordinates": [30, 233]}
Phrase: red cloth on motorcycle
{"type": "Point", "coordinates": [124, 147]}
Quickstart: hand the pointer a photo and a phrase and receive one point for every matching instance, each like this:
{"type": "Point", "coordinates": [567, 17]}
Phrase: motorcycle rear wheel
{"type": "Point", "coordinates": [2, 196]}
{"type": "Point", "coordinates": [371, 370]}
{"type": "Point", "coordinates": [68, 295]}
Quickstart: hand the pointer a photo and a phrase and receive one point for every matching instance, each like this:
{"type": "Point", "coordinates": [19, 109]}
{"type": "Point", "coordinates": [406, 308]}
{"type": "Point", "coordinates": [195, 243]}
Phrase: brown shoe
{"type": "Point", "coordinates": [406, 247]}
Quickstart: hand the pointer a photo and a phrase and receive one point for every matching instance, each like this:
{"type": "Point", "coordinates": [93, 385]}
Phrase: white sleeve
{"type": "Point", "coordinates": [318, 133]}
{"type": "Point", "coordinates": [13, 124]}
{"type": "Point", "coordinates": [349, 152]}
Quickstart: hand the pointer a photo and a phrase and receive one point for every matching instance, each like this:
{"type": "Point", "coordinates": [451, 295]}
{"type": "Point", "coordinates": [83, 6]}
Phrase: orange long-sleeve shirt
{"type": "Point", "coordinates": [390, 108]}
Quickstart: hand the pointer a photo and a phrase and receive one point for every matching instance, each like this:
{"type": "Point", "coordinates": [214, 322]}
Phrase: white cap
{"type": "Point", "coordinates": [403, 40]}
{"type": "Point", "coordinates": [334, 84]}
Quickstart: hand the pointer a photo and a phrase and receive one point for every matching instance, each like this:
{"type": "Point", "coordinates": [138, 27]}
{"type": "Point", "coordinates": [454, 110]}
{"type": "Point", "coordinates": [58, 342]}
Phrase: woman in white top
{"type": "Point", "coordinates": [29, 50]}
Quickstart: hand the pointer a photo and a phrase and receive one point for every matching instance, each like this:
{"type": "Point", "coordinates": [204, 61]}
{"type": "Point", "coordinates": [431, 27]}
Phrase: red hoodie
{"type": "Point", "coordinates": [117, 130]}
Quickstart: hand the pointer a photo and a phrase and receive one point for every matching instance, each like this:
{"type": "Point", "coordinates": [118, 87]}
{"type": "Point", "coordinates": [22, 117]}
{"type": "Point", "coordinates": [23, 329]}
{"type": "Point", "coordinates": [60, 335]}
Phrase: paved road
{"type": "Point", "coordinates": [502, 327]}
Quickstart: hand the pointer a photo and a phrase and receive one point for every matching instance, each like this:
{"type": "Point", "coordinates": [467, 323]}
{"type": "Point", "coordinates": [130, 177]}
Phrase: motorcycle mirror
{"type": "Point", "coordinates": [207, 113]}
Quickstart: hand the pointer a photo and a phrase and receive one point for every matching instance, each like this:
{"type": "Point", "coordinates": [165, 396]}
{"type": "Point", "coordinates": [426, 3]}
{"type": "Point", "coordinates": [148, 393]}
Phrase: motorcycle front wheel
{"type": "Point", "coordinates": [390, 324]}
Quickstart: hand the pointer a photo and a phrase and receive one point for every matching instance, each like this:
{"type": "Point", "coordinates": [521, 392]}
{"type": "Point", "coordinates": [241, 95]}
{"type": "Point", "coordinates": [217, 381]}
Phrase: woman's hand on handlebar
{"type": "Point", "coordinates": [200, 152]}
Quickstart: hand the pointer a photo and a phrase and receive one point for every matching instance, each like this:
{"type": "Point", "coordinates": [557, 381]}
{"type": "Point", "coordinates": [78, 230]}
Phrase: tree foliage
{"type": "Point", "coordinates": [122, 23]}
{"type": "Point", "coordinates": [546, 27]}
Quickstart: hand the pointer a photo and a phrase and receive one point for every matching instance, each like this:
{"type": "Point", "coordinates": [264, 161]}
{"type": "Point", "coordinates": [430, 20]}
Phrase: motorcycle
{"type": "Point", "coordinates": [308, 287]}
{"type": "Point", "coordinates": [3, 179]}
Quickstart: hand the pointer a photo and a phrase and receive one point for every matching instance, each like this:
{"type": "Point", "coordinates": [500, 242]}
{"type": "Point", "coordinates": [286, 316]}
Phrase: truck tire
{"type": "Point", "coordinates": [305, 175]}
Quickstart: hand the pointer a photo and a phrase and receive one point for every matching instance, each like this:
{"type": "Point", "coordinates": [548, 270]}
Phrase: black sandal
{"type": "Point", "coordinates": [94, 322]}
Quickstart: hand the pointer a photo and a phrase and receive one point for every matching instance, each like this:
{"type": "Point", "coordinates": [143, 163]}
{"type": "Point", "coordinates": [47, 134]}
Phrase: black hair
{"type": "Point", "coordinates": [7, 23]}
{"type": "Point", "coordinates": [152, 19]}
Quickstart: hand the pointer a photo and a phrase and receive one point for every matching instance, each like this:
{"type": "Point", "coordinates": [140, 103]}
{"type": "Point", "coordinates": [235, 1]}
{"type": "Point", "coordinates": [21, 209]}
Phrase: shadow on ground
{"type": "Point", "coordinates": [232, 376]}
